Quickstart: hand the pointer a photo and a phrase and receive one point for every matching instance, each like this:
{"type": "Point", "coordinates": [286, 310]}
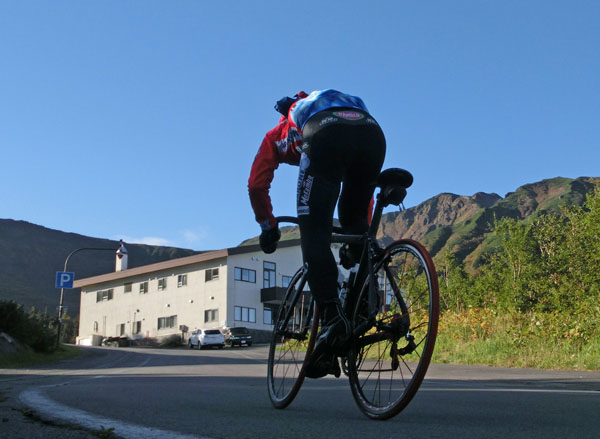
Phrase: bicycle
{"type": "Point", "coordinates": [392, 301]}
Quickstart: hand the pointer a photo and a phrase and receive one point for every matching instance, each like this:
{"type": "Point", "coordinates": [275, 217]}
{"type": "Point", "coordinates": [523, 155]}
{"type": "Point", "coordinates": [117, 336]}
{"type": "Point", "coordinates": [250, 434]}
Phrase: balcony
{"type": "Point", "coordinates": [274, 295]}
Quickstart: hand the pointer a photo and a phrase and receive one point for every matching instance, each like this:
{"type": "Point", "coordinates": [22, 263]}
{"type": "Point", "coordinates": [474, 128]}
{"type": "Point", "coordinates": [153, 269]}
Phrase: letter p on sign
{"type": "Point", "coordinates": [64, 279]}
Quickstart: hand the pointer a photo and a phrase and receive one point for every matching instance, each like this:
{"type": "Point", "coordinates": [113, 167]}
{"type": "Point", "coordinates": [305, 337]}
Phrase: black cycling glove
{"type": "Point", "coordinates": [269, 239]}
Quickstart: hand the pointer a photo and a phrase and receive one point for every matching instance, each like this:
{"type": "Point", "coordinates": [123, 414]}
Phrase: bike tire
{"type": "Point", "coordinates": [384, 377]}
{"type": "Point", "coordinates": [292, 341]}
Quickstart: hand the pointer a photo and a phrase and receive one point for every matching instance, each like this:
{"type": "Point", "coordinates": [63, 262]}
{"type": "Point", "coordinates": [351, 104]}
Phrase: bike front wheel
{"type": "Point", "coordinates": [292, 342]}
{"type": "Point", "coordinates": [392, 351]}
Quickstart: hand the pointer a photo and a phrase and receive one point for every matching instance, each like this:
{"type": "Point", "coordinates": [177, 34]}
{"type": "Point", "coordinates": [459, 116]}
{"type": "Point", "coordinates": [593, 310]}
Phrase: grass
{"type": "Point", "coordinates": [29, 359]}
{"type": "Point", "coordinates": [529, 340]}
{"type": "Point", "coordinates": [514, 340]}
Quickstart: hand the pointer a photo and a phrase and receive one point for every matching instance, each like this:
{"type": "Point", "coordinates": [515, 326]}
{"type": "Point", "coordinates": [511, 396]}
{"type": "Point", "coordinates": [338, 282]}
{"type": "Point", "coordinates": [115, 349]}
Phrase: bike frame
{"type": "Point", "coordinates": [366, 265]}
{"type": "Point", "coordinates": [289, 314]}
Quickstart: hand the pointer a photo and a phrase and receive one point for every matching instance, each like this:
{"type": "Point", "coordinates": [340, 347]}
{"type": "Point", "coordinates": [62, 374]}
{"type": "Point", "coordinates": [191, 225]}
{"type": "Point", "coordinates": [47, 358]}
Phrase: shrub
{"type": "Point", "coordinates": [171, 341]}
{"type": "Point", "coordinates": [30, 329]}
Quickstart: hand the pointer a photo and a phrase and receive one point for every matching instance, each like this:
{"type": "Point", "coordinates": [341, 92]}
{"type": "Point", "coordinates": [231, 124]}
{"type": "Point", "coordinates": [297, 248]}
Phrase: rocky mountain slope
{"type": "Point", "coordinates": [463, 224]}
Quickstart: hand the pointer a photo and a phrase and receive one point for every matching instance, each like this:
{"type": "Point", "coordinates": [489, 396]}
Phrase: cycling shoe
{"type": "Point", "coordinates": [322, 364]}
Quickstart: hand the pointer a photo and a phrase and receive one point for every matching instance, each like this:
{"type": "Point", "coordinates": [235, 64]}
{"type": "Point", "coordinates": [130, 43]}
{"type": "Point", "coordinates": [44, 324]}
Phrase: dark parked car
{"type": "Point", "coordinates": [237, 336]}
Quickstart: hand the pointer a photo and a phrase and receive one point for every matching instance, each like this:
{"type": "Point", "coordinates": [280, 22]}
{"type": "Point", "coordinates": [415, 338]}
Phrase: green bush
{"type": "Point", "coordinates": [31, 329]}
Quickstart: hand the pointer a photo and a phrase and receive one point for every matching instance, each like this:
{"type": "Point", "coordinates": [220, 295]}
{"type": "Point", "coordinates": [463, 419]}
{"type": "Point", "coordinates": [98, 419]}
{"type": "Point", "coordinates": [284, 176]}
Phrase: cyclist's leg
{"type": "Point", "coordinates": [316, 202]}
{"type": "Point", "coordinates": [367, 149]}
{"type": "Point", "coordinates": [321, 170]}
{"type": "Point", "coordinates": [317, 196]}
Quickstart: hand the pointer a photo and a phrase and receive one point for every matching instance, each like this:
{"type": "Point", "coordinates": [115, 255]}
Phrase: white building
{"type": "Point", "coordinates": [239, 286]}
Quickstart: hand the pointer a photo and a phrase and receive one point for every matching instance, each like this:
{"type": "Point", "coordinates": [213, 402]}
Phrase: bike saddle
{"type": "Point", "coordinates": [395, 176]}
{"type": "Point", "coordinates": [393, 183]}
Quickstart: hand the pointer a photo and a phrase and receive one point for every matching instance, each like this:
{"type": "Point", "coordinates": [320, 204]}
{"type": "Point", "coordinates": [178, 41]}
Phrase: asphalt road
{"type": "Point", "coordinates": [181, 393]}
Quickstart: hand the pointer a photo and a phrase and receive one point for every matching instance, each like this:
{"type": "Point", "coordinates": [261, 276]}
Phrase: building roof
{"type": "Point", "coordinates": [174, 263]}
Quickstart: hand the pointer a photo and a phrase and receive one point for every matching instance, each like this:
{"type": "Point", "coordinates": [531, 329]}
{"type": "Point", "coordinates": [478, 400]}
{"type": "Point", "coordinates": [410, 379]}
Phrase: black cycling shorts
{"type": "Point", "coordinates": [343, 148]}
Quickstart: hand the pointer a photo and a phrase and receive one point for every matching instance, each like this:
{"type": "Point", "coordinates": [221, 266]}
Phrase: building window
{"type": "Point", "coordinates": [243, 314]}
{"type": "Point", "coordinates": [181, 280]}
{"type": "Point", "coordinates": [267, 316]}
{"type": "Point", "coordinates": [167, 322]}
{"type": "Point", "coordinates": [285, 281]}
{"type": "Point", "coordinates": [104, 295]}
{"type": "Point", "coordinates": [96, 327]}
{"type": "Point", "coordinates": [137, 327]}
{"type": "Point", "coordinates": [245, 275]}
{"type": "Point", "coordinates": [121, 329]}
{"type": "Point", "coordinates": [211, 274]}
{"type": "Point", "coordinates": [128, 287]}
{"type": "Point", "coordinates": [143, 287]}
{"type": "Point", "coordinates": [211, 315]}
{"type": "Point", "coordinates": [268, 274]}
{"type": "Point", "coordinates": [162, 284]}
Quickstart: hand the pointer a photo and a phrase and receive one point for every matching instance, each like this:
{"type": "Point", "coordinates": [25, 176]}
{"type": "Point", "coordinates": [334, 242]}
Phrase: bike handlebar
{"type": "Point", "coordinates": [286, 219]}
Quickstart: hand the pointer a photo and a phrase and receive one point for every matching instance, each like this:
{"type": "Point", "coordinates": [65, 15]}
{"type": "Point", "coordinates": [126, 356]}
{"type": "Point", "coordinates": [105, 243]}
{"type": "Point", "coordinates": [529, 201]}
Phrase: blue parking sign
{"type": "Point", "coordinates": [64, 279]}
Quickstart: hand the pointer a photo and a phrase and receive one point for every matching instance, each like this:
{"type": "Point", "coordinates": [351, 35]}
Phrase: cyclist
{"type": "Point", "coordinates": [335, 142]}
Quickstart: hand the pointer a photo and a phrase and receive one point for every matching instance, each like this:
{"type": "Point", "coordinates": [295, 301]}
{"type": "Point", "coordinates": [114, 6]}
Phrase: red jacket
{"type": "Point", "coordinates": [280, 145]}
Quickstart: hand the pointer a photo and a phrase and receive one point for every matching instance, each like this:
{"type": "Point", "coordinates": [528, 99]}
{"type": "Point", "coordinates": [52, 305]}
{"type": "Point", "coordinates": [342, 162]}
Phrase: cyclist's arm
{"type": "Point", "coordinates": [278, 146]}
{"type": "Point", "coordinates": [261, 176]}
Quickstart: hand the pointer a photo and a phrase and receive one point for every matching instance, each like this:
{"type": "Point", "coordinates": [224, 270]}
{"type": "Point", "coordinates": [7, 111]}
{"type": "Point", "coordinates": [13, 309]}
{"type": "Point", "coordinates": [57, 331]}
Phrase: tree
{"type": "Point", "coordinates": [519, 256]}
{"type": "Point", "coordinates": [456, 284]}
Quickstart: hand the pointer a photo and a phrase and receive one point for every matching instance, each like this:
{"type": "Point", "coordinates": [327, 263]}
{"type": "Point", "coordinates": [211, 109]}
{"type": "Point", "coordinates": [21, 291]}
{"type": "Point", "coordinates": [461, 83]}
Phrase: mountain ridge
{"type": "Point", "coordinates": [31, 254]}
{"type": "Point", "coordinates": [462, 223]}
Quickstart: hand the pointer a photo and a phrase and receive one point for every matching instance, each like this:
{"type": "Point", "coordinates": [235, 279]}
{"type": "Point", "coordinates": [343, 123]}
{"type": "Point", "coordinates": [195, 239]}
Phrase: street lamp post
{"type": "Point", "coordinates": [60, 305]}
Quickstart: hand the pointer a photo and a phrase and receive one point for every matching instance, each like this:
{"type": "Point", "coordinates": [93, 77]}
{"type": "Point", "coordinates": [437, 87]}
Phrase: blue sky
{"type": "Point", "coordinates": [141, 119]}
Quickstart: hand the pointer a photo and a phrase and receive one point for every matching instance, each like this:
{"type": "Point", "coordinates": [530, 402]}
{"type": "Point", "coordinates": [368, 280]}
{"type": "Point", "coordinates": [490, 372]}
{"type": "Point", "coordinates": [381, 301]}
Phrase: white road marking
{"type": "Point", "coordinates": [34, 399]}
{"type": "Point", "coordinates": [508, 390]}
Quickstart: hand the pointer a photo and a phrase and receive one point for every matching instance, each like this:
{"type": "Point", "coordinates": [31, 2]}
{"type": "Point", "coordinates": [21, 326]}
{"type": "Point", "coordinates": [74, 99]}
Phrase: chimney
{"type": "Point", "coordinates": [121, 259]}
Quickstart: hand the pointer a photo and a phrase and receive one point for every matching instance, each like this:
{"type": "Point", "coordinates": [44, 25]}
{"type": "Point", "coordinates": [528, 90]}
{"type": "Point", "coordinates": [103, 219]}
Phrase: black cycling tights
{"type": "Point", "coordinates": [342, 147]}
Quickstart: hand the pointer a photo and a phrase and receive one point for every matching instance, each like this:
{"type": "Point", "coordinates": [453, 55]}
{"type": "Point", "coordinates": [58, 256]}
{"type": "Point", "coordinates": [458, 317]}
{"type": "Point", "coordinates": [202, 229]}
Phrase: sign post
{"type": "Point", "coordinates": [64, 279]}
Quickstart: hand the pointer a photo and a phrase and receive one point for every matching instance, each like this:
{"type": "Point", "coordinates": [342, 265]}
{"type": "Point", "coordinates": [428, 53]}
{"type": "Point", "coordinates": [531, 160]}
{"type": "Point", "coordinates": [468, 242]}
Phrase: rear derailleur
{"type": "Point", "coordinates": [396, 353]}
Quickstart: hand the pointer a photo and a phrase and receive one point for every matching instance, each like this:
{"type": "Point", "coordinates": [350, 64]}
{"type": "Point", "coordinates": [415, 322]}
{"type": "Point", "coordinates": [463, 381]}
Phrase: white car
{"type": "Point", "coordinates": [206, 337]}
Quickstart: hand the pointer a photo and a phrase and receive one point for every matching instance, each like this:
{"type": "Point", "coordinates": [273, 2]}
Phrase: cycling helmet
{"type": "Point", "coordinates": [283, 105]}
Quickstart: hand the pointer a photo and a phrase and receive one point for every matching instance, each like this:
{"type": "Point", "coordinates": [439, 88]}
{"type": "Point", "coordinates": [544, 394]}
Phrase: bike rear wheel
{"type": "Point", "coordinates": [389, 358]}
{"type": "Point", "coordinates": [293, 340]}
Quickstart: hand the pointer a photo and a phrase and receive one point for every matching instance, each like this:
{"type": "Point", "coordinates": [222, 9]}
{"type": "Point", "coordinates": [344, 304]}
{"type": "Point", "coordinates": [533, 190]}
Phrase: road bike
{"type": "Point", "coordinates": [392, 301]}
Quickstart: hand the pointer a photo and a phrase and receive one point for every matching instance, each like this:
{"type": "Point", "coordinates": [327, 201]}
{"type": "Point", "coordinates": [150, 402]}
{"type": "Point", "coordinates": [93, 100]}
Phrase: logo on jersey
{"type": "Point", "coordinates": [304, 187]}
{"type": "Point", "coordinates": [328, 120]}
{"type": "Point", "coordinates": [282, 145]}
{"type": "Point", "coordinates": [349, 115]}
{"type": "Point", "coordinates": [303, 208]}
